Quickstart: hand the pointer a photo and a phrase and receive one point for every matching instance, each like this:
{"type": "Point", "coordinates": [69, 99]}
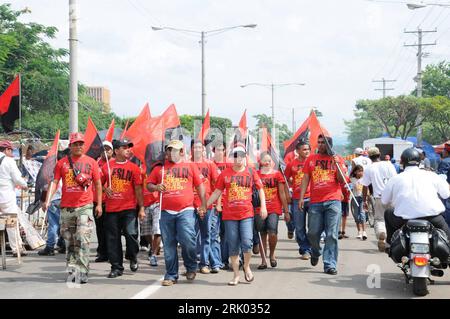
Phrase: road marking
{"type": "Point", "coordinates": [150, 290]}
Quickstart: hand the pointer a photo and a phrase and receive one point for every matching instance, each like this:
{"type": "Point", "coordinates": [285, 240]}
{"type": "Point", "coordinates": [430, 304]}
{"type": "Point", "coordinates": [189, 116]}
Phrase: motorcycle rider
{"type": "Point", "coordinates": [414, 195]}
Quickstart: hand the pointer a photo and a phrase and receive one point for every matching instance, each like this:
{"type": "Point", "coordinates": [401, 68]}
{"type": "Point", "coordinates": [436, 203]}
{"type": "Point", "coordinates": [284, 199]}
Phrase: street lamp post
{"type": "Point", "coordinates": [419, 5]}
{"type": "Point", "coordinates": [203, 35]}
{"type": "Point", "coordinates": [272, 86]}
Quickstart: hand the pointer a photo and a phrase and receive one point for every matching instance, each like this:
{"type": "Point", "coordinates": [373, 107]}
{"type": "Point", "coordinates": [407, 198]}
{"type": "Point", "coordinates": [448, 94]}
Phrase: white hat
{"type": "Point", "coordinates": [358, 151]}
{"type": "Point", "coordinates": [108, 143]}
{"type": "Point", "coordinates": [238, 149]}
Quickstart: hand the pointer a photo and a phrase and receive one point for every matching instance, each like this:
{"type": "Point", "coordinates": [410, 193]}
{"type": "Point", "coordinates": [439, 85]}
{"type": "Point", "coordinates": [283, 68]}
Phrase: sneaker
{"type": "Point", "coordinates": [359, 235]}
{"type": "Point", "coordinates": [331, 271]}
{"type": "Point", "coordinates": [83, 278]}
{"type": "Point", "coordinates": [134, 266]}
{"type": "Point", "coordinates": [290, 234]}
{"type": "Point", "coordinates": [381, 243]}
{"type": "Point", "coordinates": [101, 259]}
{"type": "Point", "coordinates": [215, 270]}
{"type": "Point", "coordinates": [190, 275]}
{"type": "Point", "coordinates": [225, 267]}
{"type": "Point", "coordinates": [143, 248]}
{"type": "Point", "coordinates": [314, 261]}
{"type": "Point", "coordinates": [364, 235]}
{"type": "Point", "coordinates": [340, 235]}
{"type": "Point", "coordinates": [46, 252]}
{"type": "Point", "coordinates": [305, 256]}
{"type": "Point", "coordinates": [205, 270]}
{"type": "Point", "coordinates": [153, 261]}
{"type": "Point", "coordinates": [168, 282]}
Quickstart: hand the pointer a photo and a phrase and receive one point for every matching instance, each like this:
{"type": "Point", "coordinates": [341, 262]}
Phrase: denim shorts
{"type": "Point", "coordinates": [269, 225]}
{"type": "Point", "coordinates": [345, 209]}
{"type": "Point", "coordinates": [239, 235]}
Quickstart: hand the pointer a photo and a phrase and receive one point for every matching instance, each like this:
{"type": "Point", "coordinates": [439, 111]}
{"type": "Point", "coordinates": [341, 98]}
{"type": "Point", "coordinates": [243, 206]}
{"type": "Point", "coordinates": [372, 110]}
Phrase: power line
{"type": "Point", "coordinates": [384, 89]}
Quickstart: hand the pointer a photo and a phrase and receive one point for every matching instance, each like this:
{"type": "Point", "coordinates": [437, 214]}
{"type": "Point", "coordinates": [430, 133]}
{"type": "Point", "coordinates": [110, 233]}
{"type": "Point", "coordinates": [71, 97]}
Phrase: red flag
{"type": "Point", "coordinates": [308, 131]}
{"type": "Point", "coordinates": [93, 145]}
{"type": "Point", "coordinates": [125, 130]}
{"type": "Point", "coordinates": [268, 146]}
{"type": "Point", "coordinates": [46, 173]}
{"type": "Point", "coordinates": [110, 133]}
{"type": "Point", "coordinates": [243, 123]}
{"type": "Point", "coordinates": [10, 105]}
{"type": "Point", "coordinates": [148, 148]}
{"type": "Point", "coordinates": [139, 125]}
{"type": "Point", "coordinates": [205, 128]}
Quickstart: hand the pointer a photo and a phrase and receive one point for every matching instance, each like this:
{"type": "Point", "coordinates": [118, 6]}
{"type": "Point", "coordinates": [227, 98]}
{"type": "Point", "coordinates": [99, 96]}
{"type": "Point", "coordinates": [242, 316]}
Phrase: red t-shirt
{"type": "Point", "coordinates": [288, 158]}
{"type": "Point", "coordinates": [294, 170]}
{"type": "Point", "coordinates": [209, 174]}
{"type": "Point", "coordinates": [149, 197]}
{"type": "Point", "coordinates": [323, 178]}
{"type": "Point", "coordinates": [73, 195]}
{"type": "Point", "coordinates": [237, 203]}
{"type": "Point", "coordinates": [223, 166]}
{"type": "Point", "coordinates": [124, 177]}
{"type": "Point", "coordinates": [180, 180]}
{"type": "Point", "coordinates": [100, 163]}
{"type": "Point", "coordinates": [270, 183]}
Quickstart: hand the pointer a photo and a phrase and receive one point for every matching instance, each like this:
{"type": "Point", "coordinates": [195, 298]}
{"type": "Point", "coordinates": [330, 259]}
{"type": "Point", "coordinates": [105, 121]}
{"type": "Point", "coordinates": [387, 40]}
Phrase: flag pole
{"type": "Point", "coordinates": [107, 165]}
{"type": "Point", "coordinates": [330, 151]}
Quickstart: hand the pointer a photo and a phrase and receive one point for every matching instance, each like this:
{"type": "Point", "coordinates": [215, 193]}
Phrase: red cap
{"type": "Point", "coordinates": [6, 144]}
{"type": "Point", "coordinates": [76, 137]}
{"type": "Point", "coordinates": [447, 147]}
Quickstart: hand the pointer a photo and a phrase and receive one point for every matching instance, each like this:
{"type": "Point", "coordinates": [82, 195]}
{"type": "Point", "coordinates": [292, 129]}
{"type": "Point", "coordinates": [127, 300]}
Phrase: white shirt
{"type": "Point", "coordinates": [362, 160]}
{"type": "Point", "coordinates": [10, 176]}
{"type": "Point", "coordinates": [378, 174]}
{"type": "Point", "coordinates": [414, 193]}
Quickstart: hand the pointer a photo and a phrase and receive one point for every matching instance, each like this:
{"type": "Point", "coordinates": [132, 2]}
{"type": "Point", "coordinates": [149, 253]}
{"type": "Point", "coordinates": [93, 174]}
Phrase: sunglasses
{"type": "Point", "coordinates": [239, 154]}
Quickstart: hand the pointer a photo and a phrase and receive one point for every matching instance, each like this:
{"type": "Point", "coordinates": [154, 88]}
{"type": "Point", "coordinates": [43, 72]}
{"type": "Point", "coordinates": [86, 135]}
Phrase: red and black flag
{"type": "Point", "coordinates": [139, 127]}
{"type": "Point", "coordinates": [10, 105]}
{"type": "Point", "coordinates": [45, 176]}
{"type": "Point", "coordinates": [309, 131]}
{"type": "Point", "coordinates": [205, 128]}
{"type": "Point", "coordinates": [149, 147]}
{"type": "Point", "coordinates": [110, 134]}
{"type": "Point", "coordinates": [93, 145]}
{"type": "Point", "coordinates": [268, 147]}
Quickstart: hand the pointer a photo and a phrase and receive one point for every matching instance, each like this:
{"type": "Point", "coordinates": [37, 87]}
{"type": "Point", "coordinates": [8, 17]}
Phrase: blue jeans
{"type": "Point", "coordinates": [178, 228]}
{"type": "Point", "coordinates": [300, 227]}
{"type": "Point", "coordinates": [239, 235]}
{"type": "Point", "coordinates": [215, 258]}
{"type": "Point", "coordinates": [223, 243]}
{"type": "Point", "coordinates": [326, 217]}
{"type": "Point", "coordinates": [291, 225]}
{"type": "Point", "coordinates": [206, 239]}
{"type": "Point", "coordinates": [358, 213]}
{"type": "Point", "coordinates": [53, 215]}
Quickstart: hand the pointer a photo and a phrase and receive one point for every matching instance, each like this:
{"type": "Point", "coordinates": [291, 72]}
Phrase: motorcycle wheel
{"type": "Point", "coordinates": [420, 286]}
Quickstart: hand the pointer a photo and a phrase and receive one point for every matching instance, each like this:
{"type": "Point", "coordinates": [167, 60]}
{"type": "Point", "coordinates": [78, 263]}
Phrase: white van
{"type": "Point", "coordinates": [393, 147]}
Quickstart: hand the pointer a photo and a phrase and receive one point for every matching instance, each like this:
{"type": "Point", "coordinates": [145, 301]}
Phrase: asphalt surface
{"type": "Point", "coordinates": [363, 273]}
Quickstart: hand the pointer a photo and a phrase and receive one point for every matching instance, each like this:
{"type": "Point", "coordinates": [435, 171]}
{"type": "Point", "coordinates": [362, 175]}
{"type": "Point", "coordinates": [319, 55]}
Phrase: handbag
{"type": "Point", "coordinates": [256, 200]}
{"type": "Point", "coordinates": [82, 179]}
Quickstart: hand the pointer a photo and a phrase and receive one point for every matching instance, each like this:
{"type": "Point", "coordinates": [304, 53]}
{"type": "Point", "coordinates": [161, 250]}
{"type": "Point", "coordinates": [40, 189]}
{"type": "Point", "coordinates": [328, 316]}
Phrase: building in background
{"type": "Point", "coordinates": [100, 94]}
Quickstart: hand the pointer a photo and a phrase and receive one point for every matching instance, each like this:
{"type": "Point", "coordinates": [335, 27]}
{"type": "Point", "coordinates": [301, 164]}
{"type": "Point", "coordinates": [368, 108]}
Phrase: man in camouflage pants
{"type": "Point", "coordinates": [78, 173]}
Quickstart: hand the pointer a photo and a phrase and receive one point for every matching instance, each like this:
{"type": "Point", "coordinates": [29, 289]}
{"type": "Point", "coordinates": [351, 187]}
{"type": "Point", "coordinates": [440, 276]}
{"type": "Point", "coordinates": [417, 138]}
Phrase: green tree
{"type": "Point", "coordinates": [436, 80]}
{"type": "Point", "coordinates": [437, 127]}
{"type": "Point", "coordinates": [361, 128]}
{"type": "Point", "coordinates": [283, 132]}
{"type": "Point", "coordinates": [221, 123]}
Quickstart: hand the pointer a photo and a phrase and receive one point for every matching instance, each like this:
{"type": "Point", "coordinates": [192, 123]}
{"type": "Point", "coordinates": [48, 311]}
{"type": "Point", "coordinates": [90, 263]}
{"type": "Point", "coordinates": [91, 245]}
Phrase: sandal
{"type": "Point", "coordinates": [249, 279]}
{"type": "Point", "coordinates": [273, 263]}
{"type": "Point", "coordinates": [233, 282]}
{"type": "Point", "coordinates": [262, 266]}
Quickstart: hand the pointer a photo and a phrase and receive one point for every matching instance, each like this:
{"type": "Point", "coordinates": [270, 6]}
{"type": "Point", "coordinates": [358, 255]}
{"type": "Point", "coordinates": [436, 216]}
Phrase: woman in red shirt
{"type": "Point", "coordinates": [274, 191]}
{"type": "Point", "coordinates": [238, 181]}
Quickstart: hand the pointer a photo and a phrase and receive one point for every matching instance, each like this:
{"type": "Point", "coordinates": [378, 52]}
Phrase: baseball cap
{"type": "Point", "coordinates": [175, 144]}
{"type": "Point", "coordinates": [6, 144]}
{"type": "Point", "coordinates": [239, 149]}
{"type": "Point", "coordinates": [373, 151]}
{"type": "Point", "coordinates": [447, 147]}
{"type": "Point", "coordinates": [123, 142]}
{"type": "Point", "coordinates": [108, 143]}
{"type": "Point", "coordinates": [358, 151]}
{"type": "Point", "coordinates": [76, 137]}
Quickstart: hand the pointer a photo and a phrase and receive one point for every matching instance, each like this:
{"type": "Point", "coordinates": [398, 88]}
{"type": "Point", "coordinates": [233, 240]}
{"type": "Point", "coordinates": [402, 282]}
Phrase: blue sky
{"type": "Point", "coordinates": [336, 47]}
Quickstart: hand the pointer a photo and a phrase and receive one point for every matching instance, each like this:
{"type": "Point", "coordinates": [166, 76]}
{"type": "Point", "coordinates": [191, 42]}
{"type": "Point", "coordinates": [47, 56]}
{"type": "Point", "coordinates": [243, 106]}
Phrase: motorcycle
{"type": "Point", "coordinates": [421, 251]}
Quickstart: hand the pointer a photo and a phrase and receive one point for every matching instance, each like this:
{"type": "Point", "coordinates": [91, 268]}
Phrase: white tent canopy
{"type": "Point", "coordinates": [388, 146]}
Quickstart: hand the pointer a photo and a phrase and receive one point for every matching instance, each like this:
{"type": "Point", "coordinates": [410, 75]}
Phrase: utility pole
{"type": "Point", "coordinates": [273, 117]}
{"type": "Point", "coordinates": [418, 77]}
{"type": "Point", "coordinates": [384, 89]}
{"type": "Point", "coordinates": [203, 75]}
{"type": "Point", "coordinates": [73, 87]}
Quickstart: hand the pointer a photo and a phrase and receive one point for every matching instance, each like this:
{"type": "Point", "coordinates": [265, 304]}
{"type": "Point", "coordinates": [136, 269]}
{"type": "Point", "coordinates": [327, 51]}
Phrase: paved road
{"type": "Point", "coordinates": [44, 277]}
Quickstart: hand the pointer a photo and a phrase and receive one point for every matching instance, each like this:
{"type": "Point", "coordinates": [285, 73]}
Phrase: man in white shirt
{"type": "Point", "coordinates": [362, 160]}
{"type": "Point", "coordinates": [377, 174]}
{"type": "Point", "coordinates": [414, 194]}
{"type": "Point", "coordinates": [10, 177]}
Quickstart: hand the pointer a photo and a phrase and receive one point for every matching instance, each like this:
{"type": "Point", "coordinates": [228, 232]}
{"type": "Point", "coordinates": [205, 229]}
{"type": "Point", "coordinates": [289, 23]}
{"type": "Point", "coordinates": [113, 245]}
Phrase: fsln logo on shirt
{"type": "Point", "coordinates": [241, 181]}
{"type": "Point", "coordinates": [325, 164]}
{"type": "Point", "coordinates": [178, 172]}
{"type": "Point", "coordinates": [123, 174]}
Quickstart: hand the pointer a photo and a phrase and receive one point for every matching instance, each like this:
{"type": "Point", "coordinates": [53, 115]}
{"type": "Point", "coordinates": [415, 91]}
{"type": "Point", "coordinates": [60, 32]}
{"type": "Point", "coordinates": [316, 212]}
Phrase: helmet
{"type": "Point", "coordinates": [410, 157]}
